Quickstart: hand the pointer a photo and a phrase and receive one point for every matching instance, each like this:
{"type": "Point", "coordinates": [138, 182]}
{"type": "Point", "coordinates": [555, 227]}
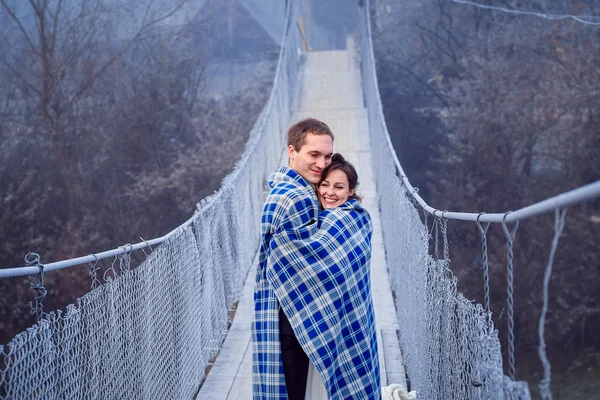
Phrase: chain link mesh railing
{"type": "Point", "coordinates": [450, 346]}
{"type": "Point", "coordinates": [150, 331]}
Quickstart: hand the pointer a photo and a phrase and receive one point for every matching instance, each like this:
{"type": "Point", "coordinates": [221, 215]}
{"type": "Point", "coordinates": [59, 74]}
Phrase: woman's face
{"type": "Point", "coordinates": [334, 189]}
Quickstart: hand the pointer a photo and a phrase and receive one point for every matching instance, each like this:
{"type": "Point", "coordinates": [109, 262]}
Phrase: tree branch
{"type": "Point", "coordinates": [14, 17]}
{"type": "Point", "coordinates": [55, 18]}
{"type": "Point", "coordinates": [18, 75]}
{"type": "Point", "coordinates": [145, 27]}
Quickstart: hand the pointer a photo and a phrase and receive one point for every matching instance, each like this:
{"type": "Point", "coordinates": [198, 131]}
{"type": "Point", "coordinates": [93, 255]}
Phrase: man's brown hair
{"type": "Point", "coordinates": [297, 132]}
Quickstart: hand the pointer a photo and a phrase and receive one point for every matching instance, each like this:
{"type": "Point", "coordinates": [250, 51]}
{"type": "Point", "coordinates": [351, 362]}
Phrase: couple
{"type": "Point", "coordinates": [313, 330]}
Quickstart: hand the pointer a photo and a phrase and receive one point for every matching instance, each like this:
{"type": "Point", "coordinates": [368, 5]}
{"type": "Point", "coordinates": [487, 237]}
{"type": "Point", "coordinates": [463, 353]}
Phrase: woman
{"type": "Point", "coordinates": [321, 278]}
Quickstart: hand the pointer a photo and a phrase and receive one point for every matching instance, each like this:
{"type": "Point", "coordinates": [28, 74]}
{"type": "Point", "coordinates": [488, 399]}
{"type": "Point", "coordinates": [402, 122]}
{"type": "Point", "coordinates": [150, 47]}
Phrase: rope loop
{"type": "Point", "coordinates": [510, 235]}
{"type": "Point", "coordinates": [413, 199]}
{"type": "Point", "coordinates": [402, 184]}
{"type": "Point", "coordinates": [94, 268]}
{"type": "Point", "coordinates": [402, 180]}
{"type": "Point", "coordinates": [481, 230]}
{"type": "Point", "coordinates": [112, 271]}
{"type": "Point", "coordinates": [125, 257]}
{"type": "Point", "coordinates": [127, 248]}
{"type": "Point", "coordinates": [33, 260]}
{"type": "Point", "coordinates": [150, 247]}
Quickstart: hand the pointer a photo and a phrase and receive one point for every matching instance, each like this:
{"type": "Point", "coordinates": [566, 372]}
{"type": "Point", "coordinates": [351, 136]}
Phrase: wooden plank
{"type": "Point", "coordinates": [242, 385]}
{"type": "Point", "coordinates": [222, 375]}
{"type": "Point", "coordinates": [393, 357]}
{"type": "Point", "coordinates": [382, 366]}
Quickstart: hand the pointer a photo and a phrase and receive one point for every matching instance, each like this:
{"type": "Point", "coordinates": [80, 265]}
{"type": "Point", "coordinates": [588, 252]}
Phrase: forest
{"type": "Point", "coordinates": [490, 111]}
{"type": "Point", "coordinates": [116, 119]}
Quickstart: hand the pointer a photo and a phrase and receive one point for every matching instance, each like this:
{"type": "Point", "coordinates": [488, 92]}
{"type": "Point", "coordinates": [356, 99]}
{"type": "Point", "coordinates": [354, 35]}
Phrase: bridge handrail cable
{"type": "Point", "coordinates": [562, 200]}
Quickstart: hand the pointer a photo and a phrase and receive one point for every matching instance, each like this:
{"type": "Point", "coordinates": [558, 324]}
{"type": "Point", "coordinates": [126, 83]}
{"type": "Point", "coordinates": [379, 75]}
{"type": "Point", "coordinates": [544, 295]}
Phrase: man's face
{"type": "Point", "coordinates": [314, 155]}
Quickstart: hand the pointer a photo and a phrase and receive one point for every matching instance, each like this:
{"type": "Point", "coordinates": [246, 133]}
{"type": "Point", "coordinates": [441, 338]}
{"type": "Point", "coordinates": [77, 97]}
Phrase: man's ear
{"type": "Point", "coordinates": [291, 152]}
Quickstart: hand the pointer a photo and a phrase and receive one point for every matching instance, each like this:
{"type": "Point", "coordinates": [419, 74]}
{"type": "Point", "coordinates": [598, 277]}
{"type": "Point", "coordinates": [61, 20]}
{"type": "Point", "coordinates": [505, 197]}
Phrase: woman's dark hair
{"type": "Point", "coordinates": [339, 162]}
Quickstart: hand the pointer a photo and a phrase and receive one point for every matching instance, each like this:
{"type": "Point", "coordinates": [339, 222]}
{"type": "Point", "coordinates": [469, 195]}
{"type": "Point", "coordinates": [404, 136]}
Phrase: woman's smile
{"type": "Point", "coordinates": [334, 189]}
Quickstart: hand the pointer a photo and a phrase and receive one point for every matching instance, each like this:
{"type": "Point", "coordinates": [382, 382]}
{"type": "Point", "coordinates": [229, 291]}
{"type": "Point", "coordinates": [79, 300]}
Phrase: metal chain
{"type": "Point", "coordinates": [445, 237]}
{"type": "Point", "coordinates": [559, 224]}
{"type": "Point", "coordinates": [436, 247]}
{"type": "Point", "coordinates": [486, 269]}
{"type": "Point", "coordinates": [33, 260]}
{"type": "Point", "coordinates": [510, 238]}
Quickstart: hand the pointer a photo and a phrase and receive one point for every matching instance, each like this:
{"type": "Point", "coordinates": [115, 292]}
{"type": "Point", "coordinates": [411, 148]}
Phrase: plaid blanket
{"type": "Point", "coordinates": [291, 204]}
{"type": "Point", "coordinates": [322, 281]}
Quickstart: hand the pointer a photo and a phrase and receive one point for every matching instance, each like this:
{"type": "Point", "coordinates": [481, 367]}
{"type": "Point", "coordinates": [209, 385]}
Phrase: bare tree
{"type": "Point", "coordinates": [123, 138]}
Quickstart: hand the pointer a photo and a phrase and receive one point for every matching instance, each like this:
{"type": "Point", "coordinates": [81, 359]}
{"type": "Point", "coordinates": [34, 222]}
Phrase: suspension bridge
{"type": "Point", "coordinates": [151, 331]}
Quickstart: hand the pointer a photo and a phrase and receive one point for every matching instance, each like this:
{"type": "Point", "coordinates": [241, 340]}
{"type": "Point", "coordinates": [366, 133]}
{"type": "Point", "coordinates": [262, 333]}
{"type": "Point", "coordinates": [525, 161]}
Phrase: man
{"type": "Point", "coordinates": [280, 365]}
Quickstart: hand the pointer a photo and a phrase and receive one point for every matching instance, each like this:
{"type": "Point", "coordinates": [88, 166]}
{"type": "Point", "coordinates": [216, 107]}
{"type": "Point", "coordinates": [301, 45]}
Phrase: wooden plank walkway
{"type": "Point", "coordinates": [331, 91]}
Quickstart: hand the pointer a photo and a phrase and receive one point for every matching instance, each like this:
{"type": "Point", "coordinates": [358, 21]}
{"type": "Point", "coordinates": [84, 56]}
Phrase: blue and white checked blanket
{"type": "Point", "coordinates": [291, 204]}
{"type": "Point", "coordinates": [320, 273]}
